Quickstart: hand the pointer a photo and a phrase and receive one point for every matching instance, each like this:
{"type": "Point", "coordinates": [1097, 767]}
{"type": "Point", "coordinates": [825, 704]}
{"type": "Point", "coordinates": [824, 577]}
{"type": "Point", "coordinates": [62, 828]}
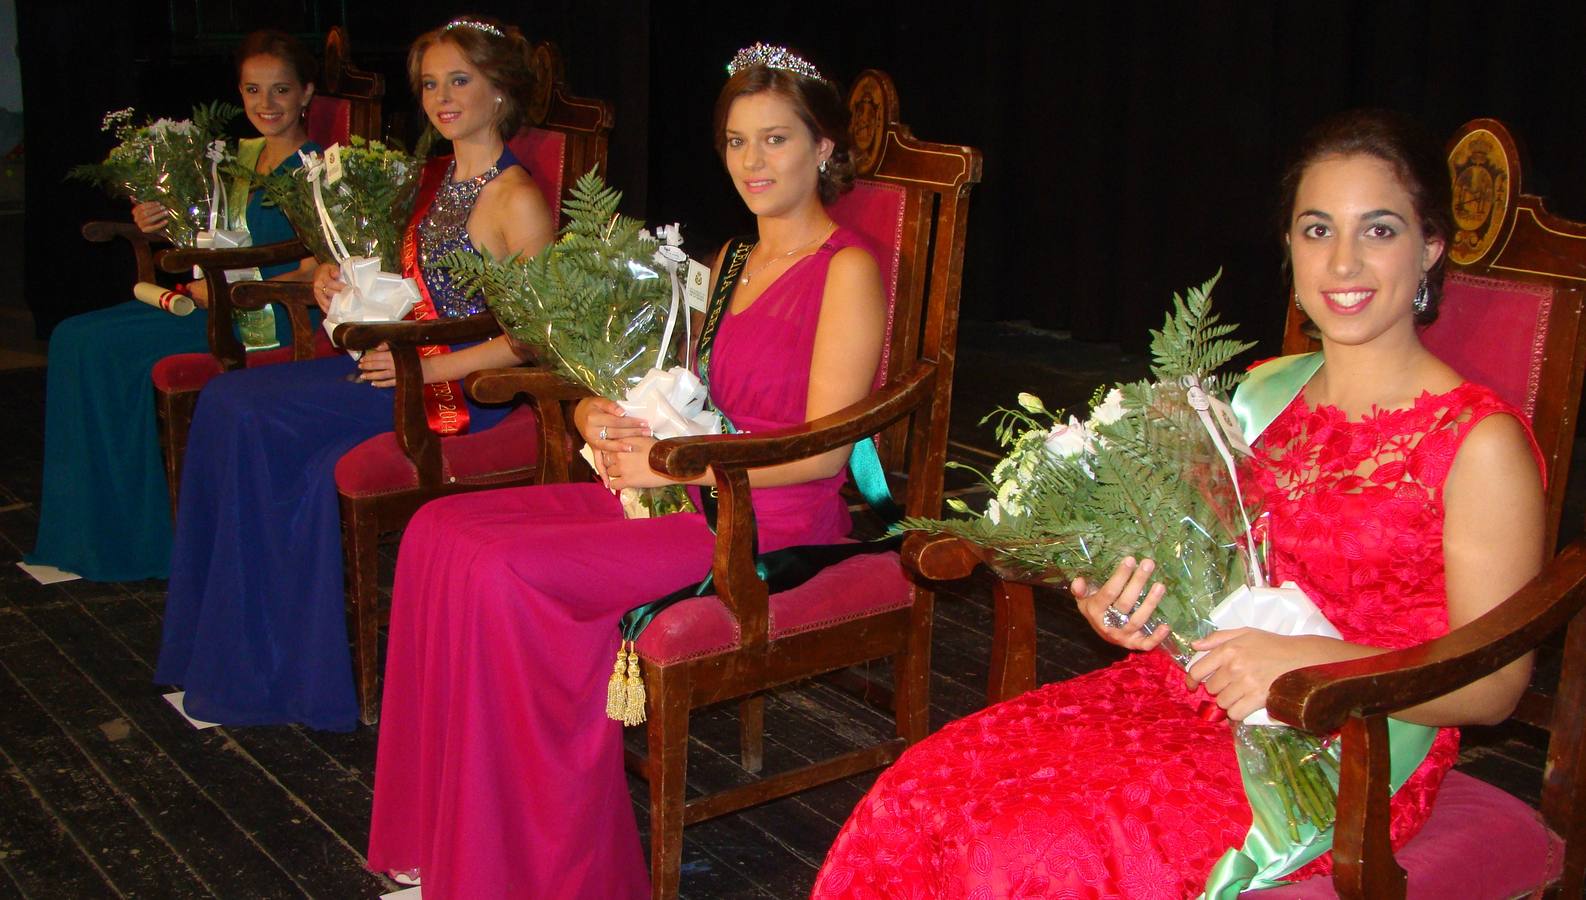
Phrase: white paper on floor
{"type": "Point", "coordinates": [48, 574]}
{"type": "Point", "coordinates": [175, 699]}
{"type": "Point", "coordinates": [412, 893]}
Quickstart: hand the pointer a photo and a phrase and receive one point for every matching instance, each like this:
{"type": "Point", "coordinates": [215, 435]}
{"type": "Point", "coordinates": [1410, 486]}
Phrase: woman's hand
{"type": "Point", "coordinates": [1240, 665]}
{"type": "Point", "coordinates": [150, 217]}
{"type": "Point", "coordinates": [327, 284]}
{"type": "Point", "coordinates": [1130, 592]}
{"type": "Point", "coordinates": [630, 467]}
{"type": "Point", "coordinates": [199, 291]}
{"type": "Point", "coordinates": [608, 431]}
{"type": "Point", "coordinates": [377, 367]}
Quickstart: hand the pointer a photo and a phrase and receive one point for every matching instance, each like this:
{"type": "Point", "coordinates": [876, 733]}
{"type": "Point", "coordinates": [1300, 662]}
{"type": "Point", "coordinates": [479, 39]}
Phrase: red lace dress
{"type": "Point", "coordinates": [1110, 785]}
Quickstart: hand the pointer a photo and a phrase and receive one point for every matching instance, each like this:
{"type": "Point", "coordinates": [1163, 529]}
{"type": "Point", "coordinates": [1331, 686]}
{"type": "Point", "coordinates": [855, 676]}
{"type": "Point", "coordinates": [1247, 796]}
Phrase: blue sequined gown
{"type": "Point", "coordinates": [105, 512]}
{"type": "Point", "coordinates": [255, 630]}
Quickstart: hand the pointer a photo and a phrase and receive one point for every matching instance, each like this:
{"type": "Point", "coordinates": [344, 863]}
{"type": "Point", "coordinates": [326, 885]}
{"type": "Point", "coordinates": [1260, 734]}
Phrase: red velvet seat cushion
{"type": "Point", "coordinates": [854, 588]}
{"type": "Point", "coordinates": [329, 120]}
{"type": "Point", "coordinates": [1511, 319]}
{"type": "Point", "coordinates": [509, 451]}
{"type": "Point", "coordinates": [1478, 842]}
{"type": "Point", "coordinates": [186, 372]}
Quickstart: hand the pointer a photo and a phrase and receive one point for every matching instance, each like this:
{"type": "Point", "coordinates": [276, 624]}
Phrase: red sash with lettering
{"type": "Point", "coordinates": [444, 406]}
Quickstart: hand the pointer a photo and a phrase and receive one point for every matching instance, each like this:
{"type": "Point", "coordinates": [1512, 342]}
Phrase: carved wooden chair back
{"type": "Point", "coordinates": [384, 480]}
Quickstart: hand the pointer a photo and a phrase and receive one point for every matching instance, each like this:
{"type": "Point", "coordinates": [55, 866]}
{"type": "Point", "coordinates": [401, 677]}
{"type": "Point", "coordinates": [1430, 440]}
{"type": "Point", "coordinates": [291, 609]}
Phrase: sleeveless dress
{"type": "Point", "coordinates": [498, 772]}
{"type": "Point", "coordinates": [105, 512]}
{"type": "Point", "coordinates": [255, 629]}
{"type": "Point", "coordinates": [1110, 784]}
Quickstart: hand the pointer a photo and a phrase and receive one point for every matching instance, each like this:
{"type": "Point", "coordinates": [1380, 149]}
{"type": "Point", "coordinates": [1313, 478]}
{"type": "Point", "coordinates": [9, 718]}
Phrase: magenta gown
{"type": "Point", "coordinates": [498, 772]}
{"type": "Point", "coordinates": [1110, 784]}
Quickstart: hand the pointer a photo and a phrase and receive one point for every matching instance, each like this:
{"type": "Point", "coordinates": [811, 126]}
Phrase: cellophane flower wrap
{"type": "Point", "coordinates": [1141, 476]}
{"type": "Point", "coordinates": [164, 161]}
{"type": "Point", "coordinates": [595, 305]}
{"type": "Point", "coordinates": [370, 204]}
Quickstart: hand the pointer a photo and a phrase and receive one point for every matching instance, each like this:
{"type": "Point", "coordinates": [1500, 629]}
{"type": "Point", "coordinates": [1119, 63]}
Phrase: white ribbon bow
{"type": "Point", "coordinates": [215, 237]}
{"type": "Point", "coordinates": [672, 403]}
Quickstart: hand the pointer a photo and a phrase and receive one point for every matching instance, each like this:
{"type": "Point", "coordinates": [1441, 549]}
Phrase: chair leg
{"type": "Point", "coordinates": [911, 672]}
{"type": "Point", "coordinates": [360, 542]}
{"type": "Point", "coordinates": [668, 744]}
{"type": "Point", "coordinates": [175, 415]}
{"type": "Point", "coordinates": [751, 732]}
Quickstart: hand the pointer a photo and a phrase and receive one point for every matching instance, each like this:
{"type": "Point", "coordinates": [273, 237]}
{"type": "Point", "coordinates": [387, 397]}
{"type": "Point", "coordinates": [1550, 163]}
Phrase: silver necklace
{"type": "Point", "coordinates": [747, 276]}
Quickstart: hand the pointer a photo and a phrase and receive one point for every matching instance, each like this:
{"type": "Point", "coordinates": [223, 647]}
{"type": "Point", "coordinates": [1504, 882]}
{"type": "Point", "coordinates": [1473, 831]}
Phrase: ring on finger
{"type": "Point", "coordinates": [603, 432]}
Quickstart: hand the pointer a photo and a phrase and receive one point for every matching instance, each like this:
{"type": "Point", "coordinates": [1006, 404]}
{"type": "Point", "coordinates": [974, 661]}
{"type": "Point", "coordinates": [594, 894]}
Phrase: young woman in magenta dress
{"type": "Point", "coordinates": [255, 629]}
{"type": "Point", "coordinates": [499, 773]}
{"type": "Point", "coordinates": [1406, 501]}
{"type": "Point", "coordinates": [105, 512]}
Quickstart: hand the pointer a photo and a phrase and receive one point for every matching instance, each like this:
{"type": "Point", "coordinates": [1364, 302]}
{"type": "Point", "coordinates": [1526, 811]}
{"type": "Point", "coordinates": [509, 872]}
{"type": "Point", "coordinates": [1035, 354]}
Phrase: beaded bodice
{"type": "Point", "coordinates": [444, 230]}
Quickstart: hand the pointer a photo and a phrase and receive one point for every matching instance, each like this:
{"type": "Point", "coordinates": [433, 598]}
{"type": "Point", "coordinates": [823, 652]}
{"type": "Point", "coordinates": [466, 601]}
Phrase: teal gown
{"type": "Point", "coordinates": [105, 511]}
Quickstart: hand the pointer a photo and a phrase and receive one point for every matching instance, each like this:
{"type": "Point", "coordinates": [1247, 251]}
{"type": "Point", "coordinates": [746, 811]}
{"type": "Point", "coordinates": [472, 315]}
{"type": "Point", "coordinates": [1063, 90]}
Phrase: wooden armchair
{"type": "Point", "coordinates": [384, 480]}
{"type": "Point", "coordinates": [1511, 319]}
{"type": "Point", "coordinates": [912, 202]}
{"type": "Point", "coordinates": [346, 102]}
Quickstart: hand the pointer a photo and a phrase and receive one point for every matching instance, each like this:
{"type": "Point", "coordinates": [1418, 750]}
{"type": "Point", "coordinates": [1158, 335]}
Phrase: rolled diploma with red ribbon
{"type": "Point", "coordinates": [174, 302]}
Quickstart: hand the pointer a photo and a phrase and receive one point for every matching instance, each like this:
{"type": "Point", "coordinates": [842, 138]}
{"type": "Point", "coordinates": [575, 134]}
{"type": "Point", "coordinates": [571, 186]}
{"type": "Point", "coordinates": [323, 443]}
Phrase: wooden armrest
{"type": "Point", "coordinates": [939, 557]}
{"type": "Point", "coordinates": [368, 335]}
{"type": "Point", "coordinates": [258, 294]}
{"type": "Point", "coordinates": [1319, 698]}
{"type": "Point", "coordinates": [687, 458]}
{"type": "Point", "coordinates": [99, 232]}
{"type": "Point", "coordinates": [501, 385]}
{"type": "Point", "coordinates": [181, 259]}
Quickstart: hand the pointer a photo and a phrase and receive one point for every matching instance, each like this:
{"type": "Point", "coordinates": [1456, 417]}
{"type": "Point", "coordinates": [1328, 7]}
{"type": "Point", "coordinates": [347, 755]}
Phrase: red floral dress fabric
{"type": "Point", "coordinates": [1110, 784]}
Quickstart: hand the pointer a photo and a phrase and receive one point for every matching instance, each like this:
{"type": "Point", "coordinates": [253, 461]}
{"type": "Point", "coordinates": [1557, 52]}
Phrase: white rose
{"type": "Point", "coordinates": [1067, 440]}
{"type": "Point", "coordinates": [1109, 410]}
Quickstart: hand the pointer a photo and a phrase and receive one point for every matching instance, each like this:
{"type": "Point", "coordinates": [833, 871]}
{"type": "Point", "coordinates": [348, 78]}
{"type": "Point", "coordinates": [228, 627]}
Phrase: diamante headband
{"type": "Point", "coordinates": [773, 56]}
{"type": "Point", "coordinates": [476, 25]}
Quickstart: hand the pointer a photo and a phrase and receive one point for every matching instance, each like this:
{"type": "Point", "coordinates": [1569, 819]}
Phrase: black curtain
{"type": "Point", "coordinates": [1131, 149]}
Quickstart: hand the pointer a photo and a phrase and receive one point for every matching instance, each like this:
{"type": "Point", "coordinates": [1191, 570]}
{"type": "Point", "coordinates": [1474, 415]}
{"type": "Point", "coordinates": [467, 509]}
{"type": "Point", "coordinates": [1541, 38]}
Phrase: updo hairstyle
{"type": "Point", "coordinates": [818, 104]}
{"type": "Point", "coordinates": [282, 46]}
{"type": "Point", "coordinates": [1416, 160]}
{"type": "Point", "coordinates": [500, 52]}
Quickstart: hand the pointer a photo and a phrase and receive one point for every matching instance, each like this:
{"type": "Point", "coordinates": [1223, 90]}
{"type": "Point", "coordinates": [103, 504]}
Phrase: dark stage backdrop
{"type": "Point", "coordinates": [1131, 149]}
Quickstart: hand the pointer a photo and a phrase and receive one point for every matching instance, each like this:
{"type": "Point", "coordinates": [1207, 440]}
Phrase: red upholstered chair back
{"type": "Point", "coordinates": [544, 153]}
{"type": "Point", "coordinates": [875, 210]}
{"type": "Point", "coordinates": [1511, 317]}
{"type": "Point", "coordinates": [329, 120]}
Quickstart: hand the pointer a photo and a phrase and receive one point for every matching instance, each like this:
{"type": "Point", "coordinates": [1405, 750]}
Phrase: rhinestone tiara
{"type": "Point", "coordinates": [773, 56]}
{"type": "Point", "coordinates": [476, 25]}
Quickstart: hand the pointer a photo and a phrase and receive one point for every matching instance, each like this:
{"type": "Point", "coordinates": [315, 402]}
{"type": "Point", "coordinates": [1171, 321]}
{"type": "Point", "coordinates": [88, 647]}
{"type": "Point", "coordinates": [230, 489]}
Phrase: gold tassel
{"type": "Point", "coordinates": [633, 714]}
{"type": "Point", "coordinates": [616, 691]}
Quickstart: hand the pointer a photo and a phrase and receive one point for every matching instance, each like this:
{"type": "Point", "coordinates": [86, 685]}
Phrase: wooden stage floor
{"type": "Point", "coordinates": [107, 792]}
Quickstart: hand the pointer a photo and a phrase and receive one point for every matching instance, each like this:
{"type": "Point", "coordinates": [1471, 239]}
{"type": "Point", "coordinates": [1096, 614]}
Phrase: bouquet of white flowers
{"type": "Point", "coordinates": [165, 161]}
{"type": "Point", "coordinates": [601, 304]}
{"type": "Point", "coordinates": [1155, 471]}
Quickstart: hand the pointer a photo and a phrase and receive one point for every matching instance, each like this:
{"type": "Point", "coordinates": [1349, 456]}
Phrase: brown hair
{"type": "Point", "coordinates": [504, 61]}
{"type": "Point", "coordinates": [818, 104]}
{"type": "Point", "coordinates": [1415, 159]}
{"type": "Point", "coordinates": [282, 46]}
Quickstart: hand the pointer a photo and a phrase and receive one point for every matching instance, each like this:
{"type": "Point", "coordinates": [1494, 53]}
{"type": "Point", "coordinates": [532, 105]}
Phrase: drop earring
{"type": "Point", "coordinates": [1421, 300]}
{"type": "Point", "coordinates": [1295, 293]}
{"type": "Point", "coordinates": [822, 167]}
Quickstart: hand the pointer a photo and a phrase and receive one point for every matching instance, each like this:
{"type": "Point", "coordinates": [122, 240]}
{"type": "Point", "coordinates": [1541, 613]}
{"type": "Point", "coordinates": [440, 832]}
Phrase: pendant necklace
{"type": "Point", "coordinates": [747, 276]}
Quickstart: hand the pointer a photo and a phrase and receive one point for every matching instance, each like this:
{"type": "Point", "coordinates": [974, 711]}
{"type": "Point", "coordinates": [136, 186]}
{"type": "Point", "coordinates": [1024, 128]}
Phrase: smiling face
{"type": "Point", "coordinates": [773, 157]}
{"type": "Point", "coordinates": [272, 95]}
{"type": "Point", "coordinates": [1357, 249]}
{"type": "Point", "coordinates": [459, 100]}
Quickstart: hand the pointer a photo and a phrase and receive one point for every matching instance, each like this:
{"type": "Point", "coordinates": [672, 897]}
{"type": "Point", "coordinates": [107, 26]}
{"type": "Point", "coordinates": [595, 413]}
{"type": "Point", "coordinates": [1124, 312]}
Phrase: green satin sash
{"type": "Point", "coordinates": [1268, 853]}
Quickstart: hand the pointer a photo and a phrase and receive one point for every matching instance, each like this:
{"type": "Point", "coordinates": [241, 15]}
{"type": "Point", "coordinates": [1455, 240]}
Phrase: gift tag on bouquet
{"type": "Point", "coordinates": [333, 170]}
{"type": "Point", "coordinates": [1229, 423]}
{"type": "Point", "coordinates": [696, 286]}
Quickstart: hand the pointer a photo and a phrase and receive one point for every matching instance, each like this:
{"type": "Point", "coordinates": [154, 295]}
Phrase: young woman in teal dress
{"type": "Point", "coordinates": [105, 512]}
{"type": "Point", "coordinates": [255, 626]}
